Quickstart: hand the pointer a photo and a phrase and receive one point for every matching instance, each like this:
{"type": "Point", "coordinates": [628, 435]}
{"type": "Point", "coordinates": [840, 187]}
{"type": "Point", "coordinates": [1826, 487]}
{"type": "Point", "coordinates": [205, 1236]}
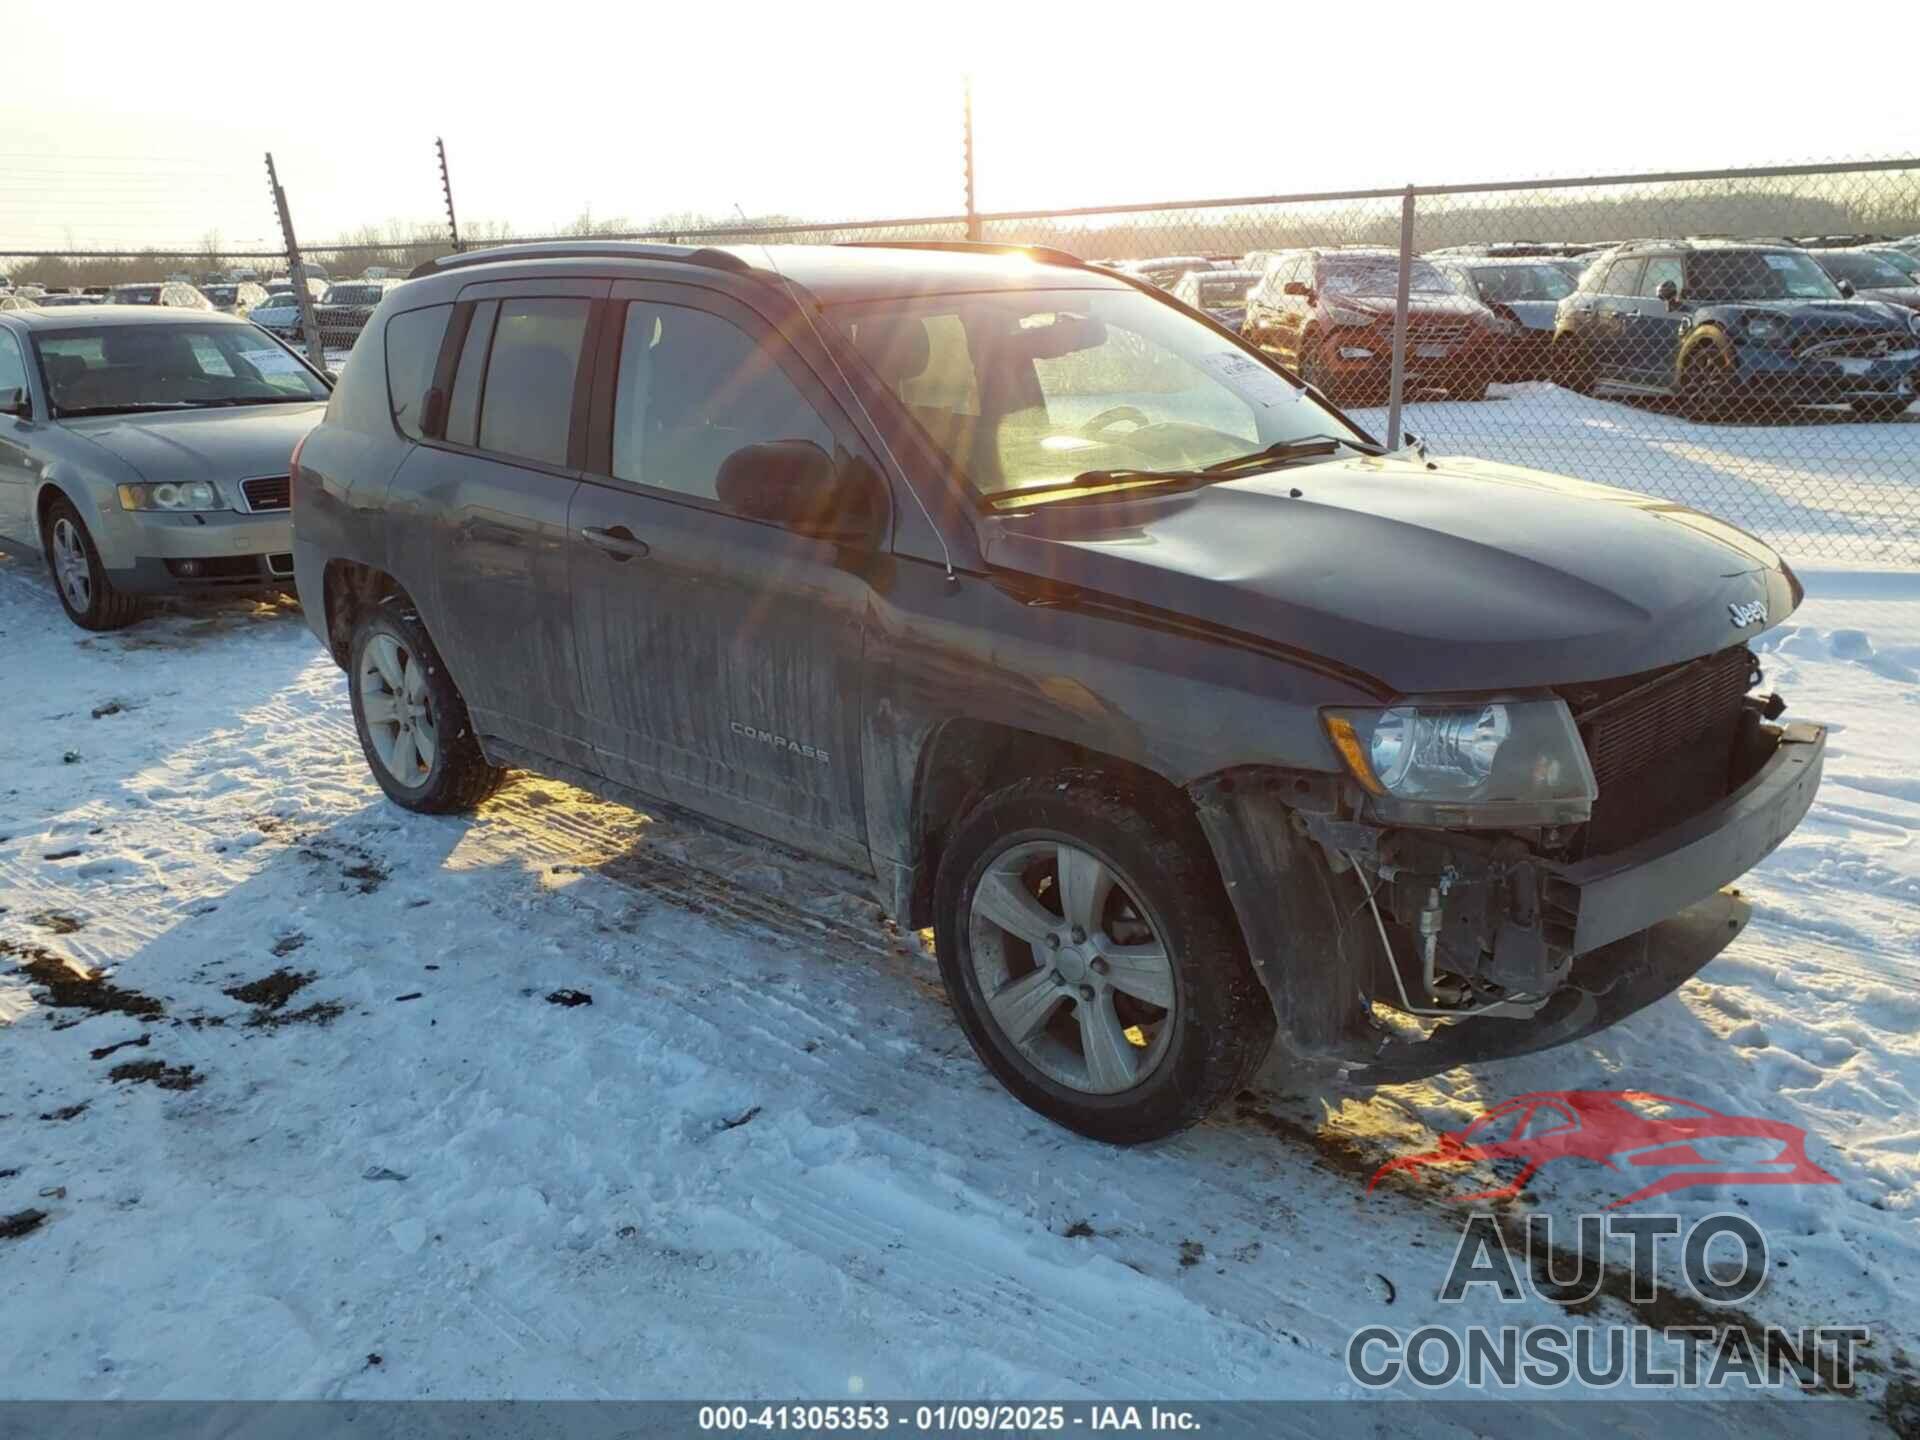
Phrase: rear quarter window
{"type": "Point", "coordinates": [412, 349]}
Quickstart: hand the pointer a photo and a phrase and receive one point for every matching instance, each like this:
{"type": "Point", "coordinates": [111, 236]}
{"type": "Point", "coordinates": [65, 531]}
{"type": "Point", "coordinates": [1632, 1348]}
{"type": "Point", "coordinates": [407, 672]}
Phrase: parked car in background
{"type": "Point", "coordinates": [172, 293]}
{"type": "Point", "coordinates": [1829, 242]}
{"type": "Point", "coordinates": [144, 451]}
{"type": "Point", "coordinates": [278, 314]}
{"type": "Point", "coordinates": [17, 302]}
{"type": "Point", "coordinates": [346, 308]}
{"type": "Point", "coordinates": [1328, 313]}
{"type": "Point", "coordinates": [52, 302]}
{"type": "Point", "coordinates": [1524, 296]}
{"type": "Point", "coordinates": [235, 299]}
{"type": "Point", "coordinates": [1512, 249]}
{"type": "Point", "coordinates": [1080, 631]}
{"type": "Point", "coordinates": [1863, 274]}
{"type": "Point", "coordinates": [1164, 270]}
{"type": "Point", "coordinates": [1221, 293]}
{"type": "Point", "coordinates": [1728, 327]}
{"type": "Point", "coordinates": [98, 292]}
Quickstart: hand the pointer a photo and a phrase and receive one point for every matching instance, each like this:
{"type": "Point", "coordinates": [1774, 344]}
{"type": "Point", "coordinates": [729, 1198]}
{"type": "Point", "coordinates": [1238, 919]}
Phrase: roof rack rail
{"type": "Point", "coordinates": [583, 250]}
{"type": "Point", "coordinates": [1046, 254]}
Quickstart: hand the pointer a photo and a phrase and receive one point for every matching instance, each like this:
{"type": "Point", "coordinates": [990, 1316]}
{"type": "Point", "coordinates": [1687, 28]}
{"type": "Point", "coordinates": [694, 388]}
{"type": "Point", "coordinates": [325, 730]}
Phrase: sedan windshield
{"type": "Point", "coordinates": [1757, 275]}
{"type": "Point", "coordinates": [1031, 389]}
{"type": "Point", "coordinates": [1907, 265]}
{"type": "Point", "coordinates": [1378, 275]}
{"type": "Point", "coordinates": [121, 368]}
{"type": "Point", "coordinates": [1522, 282]}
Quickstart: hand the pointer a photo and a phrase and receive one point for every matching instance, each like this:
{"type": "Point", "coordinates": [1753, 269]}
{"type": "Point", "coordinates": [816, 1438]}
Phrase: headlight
{"type": "Point", "coordinates": [1761, 328]}
{"type": "Point", "coordinates": [176, 495]}
{"type": "Point", "coordinates": [1503, 762]}
{"type": "Point", "coordinates": [1340, 315]}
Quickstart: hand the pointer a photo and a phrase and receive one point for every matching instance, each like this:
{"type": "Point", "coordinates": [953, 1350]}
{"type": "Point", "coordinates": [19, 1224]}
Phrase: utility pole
{"type": "Point", "coordinates": [446, 189]}
{"type": "Point", "coordinates": [966, 142]}
{"type": "Point", "coordinates": [297, 272]}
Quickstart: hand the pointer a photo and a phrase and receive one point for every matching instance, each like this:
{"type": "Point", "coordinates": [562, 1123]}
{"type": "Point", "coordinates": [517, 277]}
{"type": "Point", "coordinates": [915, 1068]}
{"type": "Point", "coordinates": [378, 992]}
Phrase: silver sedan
{"type": "Point", "coordinates": [147, 452]}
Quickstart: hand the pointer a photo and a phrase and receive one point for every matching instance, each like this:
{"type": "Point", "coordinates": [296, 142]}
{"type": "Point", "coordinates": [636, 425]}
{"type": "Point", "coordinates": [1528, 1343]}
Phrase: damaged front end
{"type": "Point", "coordinates": [1403, 936]}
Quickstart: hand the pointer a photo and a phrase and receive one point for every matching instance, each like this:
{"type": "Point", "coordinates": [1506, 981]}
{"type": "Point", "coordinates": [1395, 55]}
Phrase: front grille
{"type": "Point", "coordinates": [1853, 346]}
{"type": "Point", "coordinates": [274, 492]}
{"type": "Point", "coordinates": [1660, 743]}
{"type": "Point", "coordinates": [1436, 332]}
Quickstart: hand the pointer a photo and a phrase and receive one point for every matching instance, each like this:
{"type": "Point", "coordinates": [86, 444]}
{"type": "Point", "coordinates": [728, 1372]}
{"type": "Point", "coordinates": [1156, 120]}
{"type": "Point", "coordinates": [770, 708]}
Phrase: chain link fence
{"type": "Point", "coordinates": [1745, 342]}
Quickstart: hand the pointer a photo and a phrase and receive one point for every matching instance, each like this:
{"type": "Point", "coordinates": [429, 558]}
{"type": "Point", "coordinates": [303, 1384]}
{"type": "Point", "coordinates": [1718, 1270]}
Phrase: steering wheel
{"type": "Point", "coordinates": [1107, 419]}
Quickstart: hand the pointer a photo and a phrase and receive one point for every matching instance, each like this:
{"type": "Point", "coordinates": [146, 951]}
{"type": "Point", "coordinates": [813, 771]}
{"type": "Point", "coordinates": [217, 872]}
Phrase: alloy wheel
{"type": "Point", "coordinates": [72, 570]}
{"type": "Point", "coordinates": [1074, 973]}
{"type": "Point", "coordinates": [398, 710]}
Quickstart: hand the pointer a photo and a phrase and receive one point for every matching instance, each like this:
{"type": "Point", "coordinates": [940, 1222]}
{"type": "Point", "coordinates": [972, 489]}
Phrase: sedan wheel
{"type": "Point", "coordinates": [1074, 975]}
{"type": "Point", "coordinates": [71, 568]}
{"type": "Point", "coordinates": [398, 711]}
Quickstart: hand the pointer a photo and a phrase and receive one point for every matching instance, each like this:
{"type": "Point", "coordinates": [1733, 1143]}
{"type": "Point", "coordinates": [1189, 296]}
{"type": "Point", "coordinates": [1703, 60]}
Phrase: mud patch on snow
{"type": "Point", "coordinates": [270, 992]}
{"type": "Point", "coordinates": [321, 1012]}
{"type": "Point", "coordinates": [359, 871]}
{"type": "Point", "coordinates": [57, 921]}
{"type": "Point", "coordinates": [70, 989]}
{"type": "Point", "coordinates": [23, 1222]}
{"type": "Point", "coordinates": [156, 1072]}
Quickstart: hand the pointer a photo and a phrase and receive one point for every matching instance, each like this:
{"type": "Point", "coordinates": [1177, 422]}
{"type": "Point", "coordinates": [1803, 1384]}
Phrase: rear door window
{"type": "Point", "coordinates": [1623, 278]}
{"type": "Point", "coordinates": [1660, 269]}
{"type": "Point", "coordinates": [526, 405]}
{"type": "Point", "coordinates": [13, 368]}
{"type": "Point", "coordinates": [463, 410]}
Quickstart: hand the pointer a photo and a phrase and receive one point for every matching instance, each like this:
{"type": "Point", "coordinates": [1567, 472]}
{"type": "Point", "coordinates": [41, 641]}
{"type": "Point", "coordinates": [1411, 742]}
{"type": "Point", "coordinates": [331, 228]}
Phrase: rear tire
{"type": "Point", "coordinates": [1705, 387]}
{"type": "Point", "coordinates": [79, 578]}
{"type": "Point", "coordinates": [1147, 1021]}
{"type": "Point", "coordinates": [411, 719]}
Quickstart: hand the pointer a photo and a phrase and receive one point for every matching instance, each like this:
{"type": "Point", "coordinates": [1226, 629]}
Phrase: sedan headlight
{"type": "Point", "coordinates": [1504, 762]}
{"type": "Point", "coordinates": [1763, 328]}
{"type": "Point", "coordinates": [175, 495]}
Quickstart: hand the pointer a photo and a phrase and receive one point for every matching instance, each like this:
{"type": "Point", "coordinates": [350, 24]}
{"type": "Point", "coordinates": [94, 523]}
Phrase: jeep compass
{"type": "Point", "coordinates": [1192, 720]}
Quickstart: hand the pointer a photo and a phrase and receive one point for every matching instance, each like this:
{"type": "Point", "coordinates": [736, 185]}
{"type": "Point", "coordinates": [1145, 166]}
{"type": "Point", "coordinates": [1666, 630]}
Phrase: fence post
{"type": "Point", "coordinates": [966, 144]}
{"type": "Point", "coordinates": [297, 272]}
{"type": "Point", "coordinates": [446, 189]}
{"type": "Point", "coordinates": [1397, 384]}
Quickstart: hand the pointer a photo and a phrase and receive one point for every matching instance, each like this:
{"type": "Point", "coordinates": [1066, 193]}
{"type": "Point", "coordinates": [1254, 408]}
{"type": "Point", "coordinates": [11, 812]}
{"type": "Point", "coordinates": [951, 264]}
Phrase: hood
{"type": "Point", "coordinates": [1419, 302]}
{"type": "Point", "coordinates": [216, 445]}
{"type": "Point", "coordinates": [1905, 296]}
{"type": "Point", "coordinates": [1836, 316]}
{"type": "Point", "coordinates": [1468, 576]}
{"type": "Point", "coordinates": [1533, 314]}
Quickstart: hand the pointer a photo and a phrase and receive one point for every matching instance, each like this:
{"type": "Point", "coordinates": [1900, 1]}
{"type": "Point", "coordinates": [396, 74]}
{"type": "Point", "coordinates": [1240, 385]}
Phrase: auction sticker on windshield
{"type": "Point", "coordinates": [1250, 380]}
{"type": "Point", "coordinates": [271, 362]}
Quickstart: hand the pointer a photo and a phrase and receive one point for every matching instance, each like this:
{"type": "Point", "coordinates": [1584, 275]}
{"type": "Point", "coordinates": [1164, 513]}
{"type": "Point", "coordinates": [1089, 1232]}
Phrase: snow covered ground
{"type": "Point", "coordinates": [330, 1103]}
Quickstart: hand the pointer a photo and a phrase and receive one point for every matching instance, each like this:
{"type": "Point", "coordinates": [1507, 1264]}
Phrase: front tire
{"type": "Point", "coordinates": [1094, 960]}
{"type": "Point", "coordinates": [410, 716]}
{"type": "Point", "coordinates": [79, 578]}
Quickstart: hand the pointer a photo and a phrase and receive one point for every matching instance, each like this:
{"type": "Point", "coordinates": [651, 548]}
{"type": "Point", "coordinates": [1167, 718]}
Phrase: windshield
{"type": "Point", "coordinates": [1378, 275]}
{"type": "Point", "coordinates": [122, 367]}
{"type": "Point", "coordinates": [1028, 389]}
{"type": "Point", "coordinates": [1757, 275]}
{"type": "Point", "coordinates": [1522, 282]}
{"type": "Point", "coordinates": [1906, 264]}
{"type": "Point", "coordinates": [137, 295]}
{"type": "Point", "coordinates": [1864, 271]}
{"type": "Point", "coordinates": [354, 295]}
{"type": "Point", "coordinates": [221, 294]}
{"type": "Point", "coordinates": [1227, 287]}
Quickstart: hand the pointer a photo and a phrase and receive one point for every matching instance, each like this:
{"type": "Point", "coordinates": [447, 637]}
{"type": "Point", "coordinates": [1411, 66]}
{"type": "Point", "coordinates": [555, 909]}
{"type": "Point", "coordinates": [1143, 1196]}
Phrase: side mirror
{"type": "Point", "coordinates": [1846, 289]}
{"type": "Point", "coordinates": [1667, 293]}
{"type": "Point", "coordinates": [795, 484]}
{"type": "Point", "coordinates": [14, 402]}
{"type": "Point", "coordinates": [1296, 287]}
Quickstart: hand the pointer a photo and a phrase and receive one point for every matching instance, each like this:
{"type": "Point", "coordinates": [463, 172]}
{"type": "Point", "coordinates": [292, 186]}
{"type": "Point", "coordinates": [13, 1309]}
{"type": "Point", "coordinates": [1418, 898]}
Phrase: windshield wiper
{"type": "Point", "coordinates": [263, 400]}
{"type": "Point", "coordinates": [63, 411]}
{"type": "Point", "coordinates": [1298, 447]}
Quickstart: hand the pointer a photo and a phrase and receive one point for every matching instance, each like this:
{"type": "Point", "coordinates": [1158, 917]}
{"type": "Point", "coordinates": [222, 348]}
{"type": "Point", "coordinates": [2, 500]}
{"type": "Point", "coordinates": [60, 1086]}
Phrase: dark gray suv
{"type": "Point", "coordinates": [1185, 715]}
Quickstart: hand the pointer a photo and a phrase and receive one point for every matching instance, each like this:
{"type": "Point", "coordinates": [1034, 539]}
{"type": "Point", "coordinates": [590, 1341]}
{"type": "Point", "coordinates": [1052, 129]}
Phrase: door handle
{"type": "Point", "coordinates": [617, 542]}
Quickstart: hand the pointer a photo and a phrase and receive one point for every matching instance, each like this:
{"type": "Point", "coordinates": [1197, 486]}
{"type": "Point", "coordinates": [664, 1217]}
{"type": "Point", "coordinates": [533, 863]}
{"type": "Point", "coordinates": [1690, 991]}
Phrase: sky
{"type": "Point", "coordinates": [845, 110]}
